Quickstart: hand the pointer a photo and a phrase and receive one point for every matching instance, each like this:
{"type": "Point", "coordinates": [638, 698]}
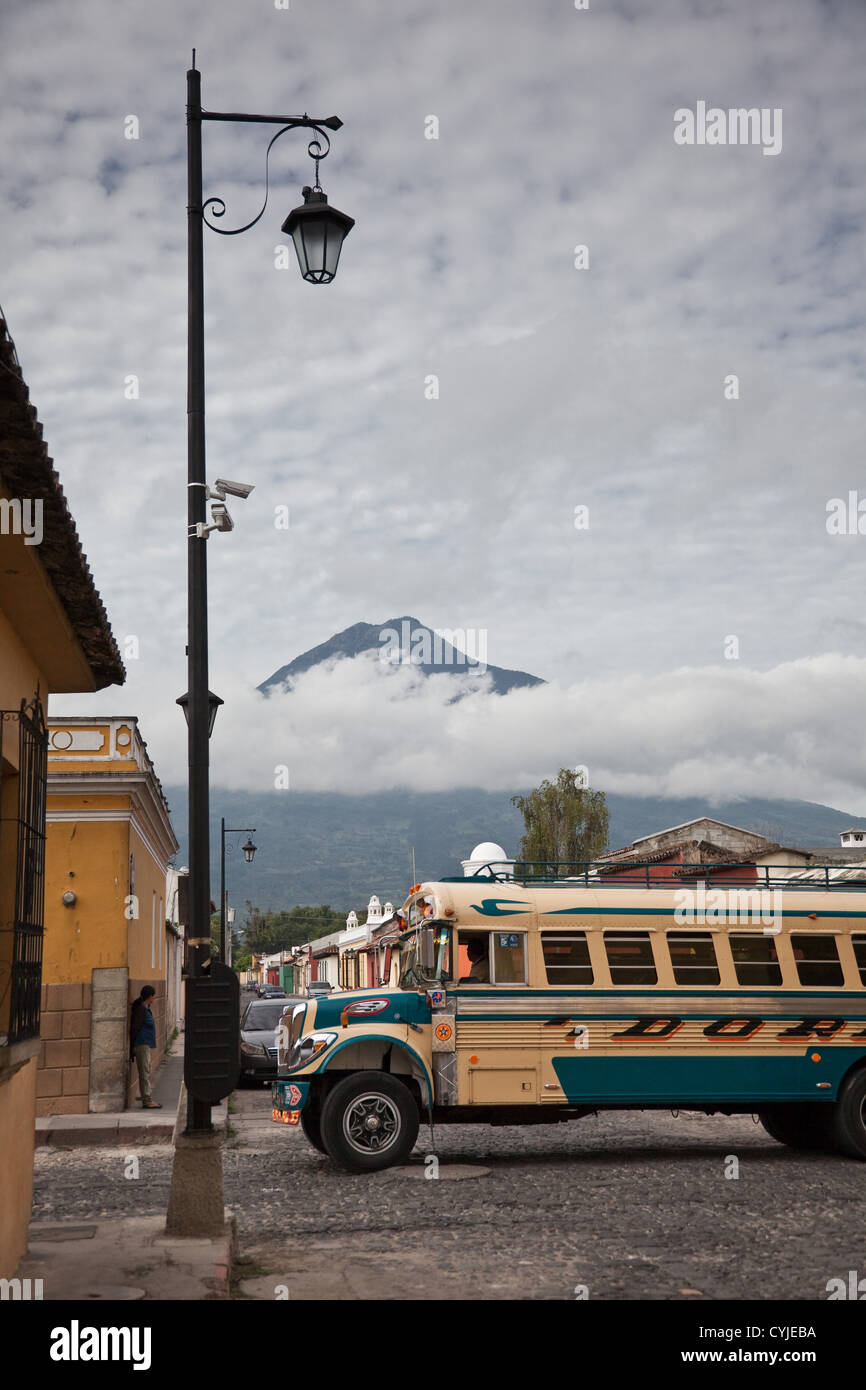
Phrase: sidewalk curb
{"type": "Point", "coordinates": [119, 1131]}
{"type": "Point", "coordinates": [75, 1131]}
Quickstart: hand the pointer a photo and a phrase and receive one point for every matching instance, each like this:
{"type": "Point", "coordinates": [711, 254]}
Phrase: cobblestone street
{"type": "Point", "coordinates": [628, 1205]}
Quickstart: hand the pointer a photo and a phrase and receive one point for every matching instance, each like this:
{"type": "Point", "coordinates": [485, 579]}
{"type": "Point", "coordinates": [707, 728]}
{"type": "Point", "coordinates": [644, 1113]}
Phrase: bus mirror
{"type": "Point", "coordinates": [428, 949]}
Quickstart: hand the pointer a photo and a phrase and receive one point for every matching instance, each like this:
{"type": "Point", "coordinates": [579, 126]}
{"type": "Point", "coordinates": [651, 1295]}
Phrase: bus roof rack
{"type": "Point", "coordinates": [602, 873]}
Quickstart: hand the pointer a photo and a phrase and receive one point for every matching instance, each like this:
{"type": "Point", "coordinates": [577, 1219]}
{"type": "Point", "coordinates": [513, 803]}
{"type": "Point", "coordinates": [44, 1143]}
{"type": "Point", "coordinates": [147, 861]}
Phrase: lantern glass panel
{"type": "Point", "coordinates": [312, 234]}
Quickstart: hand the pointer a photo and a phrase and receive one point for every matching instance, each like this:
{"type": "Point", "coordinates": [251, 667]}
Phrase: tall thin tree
{"type": "Point", "coordinates": [565, 821]}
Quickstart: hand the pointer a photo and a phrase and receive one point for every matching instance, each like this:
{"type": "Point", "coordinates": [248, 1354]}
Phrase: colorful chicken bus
{"type": "Point", "coordinates": [526, 1003]}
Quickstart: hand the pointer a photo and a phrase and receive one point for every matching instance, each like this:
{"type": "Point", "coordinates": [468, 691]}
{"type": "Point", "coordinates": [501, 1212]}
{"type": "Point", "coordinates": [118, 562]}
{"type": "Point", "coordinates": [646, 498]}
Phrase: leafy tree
{"type": "Point", "coordinates": [265, 933]}
{"type": "Point", "coordinates": [242, 962]}
{"type": "Point", "coordinates": [565, 822]}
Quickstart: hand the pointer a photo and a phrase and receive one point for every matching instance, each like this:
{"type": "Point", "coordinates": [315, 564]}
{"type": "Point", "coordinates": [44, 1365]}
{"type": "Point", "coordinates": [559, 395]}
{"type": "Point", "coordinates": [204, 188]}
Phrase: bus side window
{"type": "Point", "coordinates": [630, 957]}
{"type": "Point", "coordinates": [755, 959]}
{"type": "Point", "coordinates": [817, 959]}
{"type": "Point", "coordinates": [508, 957]}
{"type": "Point", "coordinates": [473, 958]}
{"type": "Point", "coordinates": [566, 958]}
{"type": "Point", "coordinates": [858, 941]}
{"type": "Point", "coordinates": [693, 956]}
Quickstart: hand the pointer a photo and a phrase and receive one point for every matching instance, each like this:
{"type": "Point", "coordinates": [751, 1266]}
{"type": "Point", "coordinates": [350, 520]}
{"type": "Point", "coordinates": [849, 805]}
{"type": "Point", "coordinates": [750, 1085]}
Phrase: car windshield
{"type": "Point", "coordinates": [261, 1017]}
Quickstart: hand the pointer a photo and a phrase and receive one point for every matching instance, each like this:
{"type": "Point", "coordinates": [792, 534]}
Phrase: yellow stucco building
{"type": "Point", "coordinates": [109, 840]}
{"type": "Point", "coordinates": [54, 636]}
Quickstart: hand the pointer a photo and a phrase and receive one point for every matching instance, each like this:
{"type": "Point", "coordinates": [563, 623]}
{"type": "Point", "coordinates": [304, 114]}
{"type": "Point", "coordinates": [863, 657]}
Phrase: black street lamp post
{"type": "Point", "coordinates": [249, 850]}
{"type": "Point", "coordinates": [318, 232]}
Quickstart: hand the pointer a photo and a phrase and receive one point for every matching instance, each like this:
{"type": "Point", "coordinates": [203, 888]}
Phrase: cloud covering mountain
{"type": "Point", "coordinates": [360, 725]}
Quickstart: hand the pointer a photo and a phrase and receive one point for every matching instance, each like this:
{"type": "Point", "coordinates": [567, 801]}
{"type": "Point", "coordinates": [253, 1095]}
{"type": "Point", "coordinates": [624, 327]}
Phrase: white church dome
{"type": "Point", "coordinates": [487, 851]}
{"type": "Point", "coordinates": [484, 856]}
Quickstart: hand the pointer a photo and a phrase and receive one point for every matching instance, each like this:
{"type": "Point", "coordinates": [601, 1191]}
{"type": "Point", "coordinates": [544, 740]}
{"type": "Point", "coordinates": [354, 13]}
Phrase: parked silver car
{"type": "Point", "coordinates": [259, 1023]}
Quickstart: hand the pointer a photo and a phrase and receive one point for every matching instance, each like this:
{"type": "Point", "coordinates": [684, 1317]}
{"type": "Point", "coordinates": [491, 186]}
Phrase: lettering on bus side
{"type": "Point", "coordinates": [821, 1027]}
{"type": "Point", "coordinates": [725, 1027]}
{"type": "Point", "coordinates": [733, 1027]}
{"type": "Point", "coordinates": [651, 1028]}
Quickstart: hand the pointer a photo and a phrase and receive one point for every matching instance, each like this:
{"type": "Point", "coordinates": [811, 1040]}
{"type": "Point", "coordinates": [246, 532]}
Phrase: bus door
{"type": "Point", "coordinates": [498, 1056]}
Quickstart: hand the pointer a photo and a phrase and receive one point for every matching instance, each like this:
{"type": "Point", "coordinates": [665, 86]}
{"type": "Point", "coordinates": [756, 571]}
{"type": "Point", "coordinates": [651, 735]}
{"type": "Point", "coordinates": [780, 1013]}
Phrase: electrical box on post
{"type": "Point", "coordinates": [211, 1063]}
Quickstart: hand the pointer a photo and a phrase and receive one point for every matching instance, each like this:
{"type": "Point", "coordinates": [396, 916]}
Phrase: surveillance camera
{"type": "Point", "coordinates": [224, 485]}
{"type": "Point", "coordinates": [221, 519]}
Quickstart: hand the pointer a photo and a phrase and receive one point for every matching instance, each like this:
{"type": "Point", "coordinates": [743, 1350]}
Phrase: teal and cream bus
{"type": "Point", "coordinates": [531, 1003]}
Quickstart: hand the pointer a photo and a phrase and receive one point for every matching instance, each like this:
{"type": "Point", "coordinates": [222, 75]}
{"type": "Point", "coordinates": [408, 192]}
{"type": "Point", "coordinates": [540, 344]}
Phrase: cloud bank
{"type": "Point", "coordinates": [361, 725]}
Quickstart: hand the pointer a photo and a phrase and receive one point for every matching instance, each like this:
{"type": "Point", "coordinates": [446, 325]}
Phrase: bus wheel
{"type": "Point", "coordinates": [849, 1118]}
{"type": "Point", "coordinates": [311, 1124]}
{"type": "Point", "coordinates": [803, 1126]}
{"type": "Point", "coordinates": [369, 1121]}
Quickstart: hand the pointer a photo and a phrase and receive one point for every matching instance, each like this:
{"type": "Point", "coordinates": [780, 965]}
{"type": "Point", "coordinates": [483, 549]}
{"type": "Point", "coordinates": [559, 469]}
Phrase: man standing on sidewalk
{"type": "Point", "coordinates": [142, 1039]}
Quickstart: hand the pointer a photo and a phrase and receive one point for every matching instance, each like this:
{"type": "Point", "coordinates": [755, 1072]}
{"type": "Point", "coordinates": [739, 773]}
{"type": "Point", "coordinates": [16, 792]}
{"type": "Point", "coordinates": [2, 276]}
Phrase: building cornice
{"type": "Point", "coordinates": [149, 809]}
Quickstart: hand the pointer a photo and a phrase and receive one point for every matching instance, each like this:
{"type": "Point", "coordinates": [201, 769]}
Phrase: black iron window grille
{"type": "Point", "coordinates": [25, 978]}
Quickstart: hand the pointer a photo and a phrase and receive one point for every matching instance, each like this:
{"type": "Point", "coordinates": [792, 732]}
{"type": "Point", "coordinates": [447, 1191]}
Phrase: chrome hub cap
{"type": "Point", "coordinates": [371, 1123]}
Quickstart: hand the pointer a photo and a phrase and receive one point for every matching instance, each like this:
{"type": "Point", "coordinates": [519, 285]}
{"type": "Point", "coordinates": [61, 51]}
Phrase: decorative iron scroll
{"type": "Point", "coordinates": [315, 150]}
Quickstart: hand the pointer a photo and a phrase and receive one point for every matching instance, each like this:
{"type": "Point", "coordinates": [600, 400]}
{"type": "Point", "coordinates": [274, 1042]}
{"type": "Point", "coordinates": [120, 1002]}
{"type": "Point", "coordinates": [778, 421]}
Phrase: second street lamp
{"type": "Point", "coordinates": [249, 850]}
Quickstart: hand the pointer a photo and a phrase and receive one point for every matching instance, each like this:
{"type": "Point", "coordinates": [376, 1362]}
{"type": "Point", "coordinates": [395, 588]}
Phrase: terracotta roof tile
{"type": "Point", "coordinates": [27, 470]}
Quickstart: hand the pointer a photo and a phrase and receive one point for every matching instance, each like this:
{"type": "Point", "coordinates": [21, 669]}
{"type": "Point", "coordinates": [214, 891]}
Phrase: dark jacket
{"type": "Point", "coordinates": [142, 1028]}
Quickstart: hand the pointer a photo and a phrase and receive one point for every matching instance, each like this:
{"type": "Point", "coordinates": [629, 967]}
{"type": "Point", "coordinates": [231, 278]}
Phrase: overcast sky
{"type": "Point", "coordinates": [559, 386]}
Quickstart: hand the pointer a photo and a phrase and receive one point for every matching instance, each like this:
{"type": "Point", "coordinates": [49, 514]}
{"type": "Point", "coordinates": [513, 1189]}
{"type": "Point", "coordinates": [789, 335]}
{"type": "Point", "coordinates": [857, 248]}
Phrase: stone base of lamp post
{"type": "Point", "coordinates": [195, 1202]}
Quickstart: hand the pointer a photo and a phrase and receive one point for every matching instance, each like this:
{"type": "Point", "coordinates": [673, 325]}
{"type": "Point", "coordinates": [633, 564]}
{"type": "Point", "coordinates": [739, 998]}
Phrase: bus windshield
{"type": "Point", "coordinates": [413, 972]}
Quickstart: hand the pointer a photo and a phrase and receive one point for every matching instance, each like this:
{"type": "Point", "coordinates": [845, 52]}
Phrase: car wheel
{"type": "Point", "coordinates": [849, 1117]}
{"type": "Point", "coordinates": [801, 1127]}
{"type": "Point", "coordinates": [311, 1124]}
{"type": "Point", "coordinates": [369, 1122]}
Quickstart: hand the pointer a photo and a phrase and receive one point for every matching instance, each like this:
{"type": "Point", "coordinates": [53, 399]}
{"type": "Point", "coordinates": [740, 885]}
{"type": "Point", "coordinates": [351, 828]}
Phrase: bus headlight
{"type": "Point", "coordinates": [307, 1048]}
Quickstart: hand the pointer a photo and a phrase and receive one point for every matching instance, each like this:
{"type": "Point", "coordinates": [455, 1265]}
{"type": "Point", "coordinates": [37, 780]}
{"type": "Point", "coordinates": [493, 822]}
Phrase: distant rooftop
{"type": "Point", "coordinates": [685, 825]}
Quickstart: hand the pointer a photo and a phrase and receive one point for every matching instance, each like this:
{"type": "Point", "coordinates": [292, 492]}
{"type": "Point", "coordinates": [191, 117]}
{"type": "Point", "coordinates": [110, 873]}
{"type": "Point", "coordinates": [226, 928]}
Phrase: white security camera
{"type": "Point", "coordinates": [224, 485]}
{"type": "Point", "coordinates": [221, 520]}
